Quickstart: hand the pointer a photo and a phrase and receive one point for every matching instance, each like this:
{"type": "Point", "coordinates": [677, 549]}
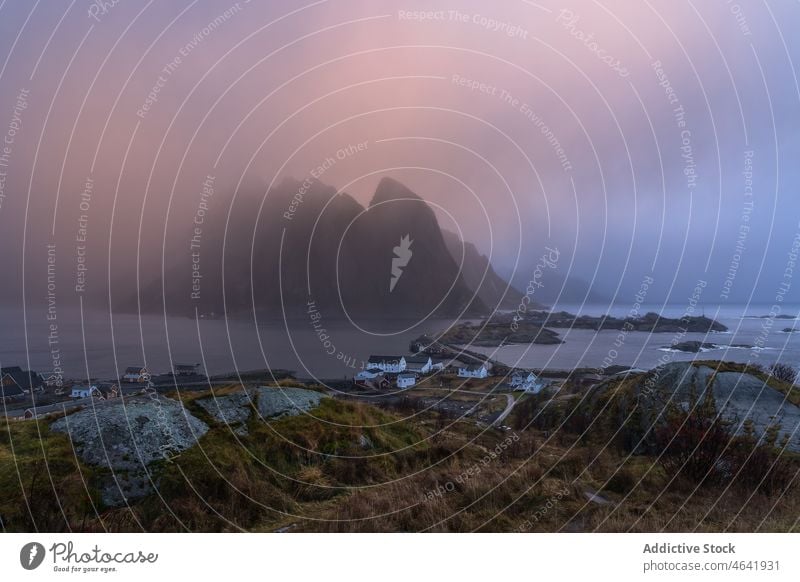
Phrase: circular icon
{"type": "Point", "coordinates": [31, 555]}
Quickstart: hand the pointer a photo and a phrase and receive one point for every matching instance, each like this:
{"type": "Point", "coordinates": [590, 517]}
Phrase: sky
{"type": "Point", "coordinates": [640, 139]}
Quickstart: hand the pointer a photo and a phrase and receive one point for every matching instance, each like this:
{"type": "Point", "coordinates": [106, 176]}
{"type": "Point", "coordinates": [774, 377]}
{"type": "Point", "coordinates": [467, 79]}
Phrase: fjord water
{"type": "Point", "coordinates": [101, 346]}
{"type": "Point", "coordinates": [748, 325]}
{"type": "Point", "coordinates": [98, 345]}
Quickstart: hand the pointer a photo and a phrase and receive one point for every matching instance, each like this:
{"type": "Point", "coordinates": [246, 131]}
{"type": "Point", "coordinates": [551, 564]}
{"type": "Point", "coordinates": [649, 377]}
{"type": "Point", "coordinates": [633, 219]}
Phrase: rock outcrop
{"type": "Point", "coordinates": [739, 396]}
{"type": "Point", "coordinates": [132, 433]}
{"type": "Point", "coordinates": [123, 437]}
{"type": "Point", "coordinates": [231, 409]}
{"type": "Point", "coordinates": [270, 402]}
{"type": "Point", "coordinates": [279, 402]}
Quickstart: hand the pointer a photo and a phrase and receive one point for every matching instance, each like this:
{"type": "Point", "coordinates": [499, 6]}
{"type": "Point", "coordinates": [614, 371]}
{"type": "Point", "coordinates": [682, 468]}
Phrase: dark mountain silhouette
{"type": "Point", "coordinates": [480, 276]}
{"type": "Point", "coordinates": [306, 242]}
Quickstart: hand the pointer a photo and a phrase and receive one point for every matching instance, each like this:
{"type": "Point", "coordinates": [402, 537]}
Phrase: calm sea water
{"type": "Point", "coordinates": [102, 346]}
{"type": "Point", "coordinates": [587, 348]}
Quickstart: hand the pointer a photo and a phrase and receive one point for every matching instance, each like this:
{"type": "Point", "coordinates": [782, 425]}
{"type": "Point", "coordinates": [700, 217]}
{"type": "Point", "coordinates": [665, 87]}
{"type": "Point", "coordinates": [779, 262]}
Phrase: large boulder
{"type": "Point", "coordinates": [129, 434]}
{"type": "Point", "coordinates": [271, 402]}
{"type": "Point", "coordinates": [123, 437]}
{"type": "Point", "coordinates": [280, 401]}
{"type": "Point", "coordinates": [231, 409]}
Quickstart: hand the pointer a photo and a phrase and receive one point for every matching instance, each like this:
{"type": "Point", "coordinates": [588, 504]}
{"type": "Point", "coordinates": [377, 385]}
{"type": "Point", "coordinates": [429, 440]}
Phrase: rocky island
{"type": "Point", "coordinates": [494, 333]}
{"type": "Point", "coordinates": [696, 347]}
{"type": "Point", "coordinates": [650, 322]}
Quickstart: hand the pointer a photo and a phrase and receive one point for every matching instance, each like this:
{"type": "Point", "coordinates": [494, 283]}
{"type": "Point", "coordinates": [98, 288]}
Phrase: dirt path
{"type": "Point", "coordinates": [507, 411]}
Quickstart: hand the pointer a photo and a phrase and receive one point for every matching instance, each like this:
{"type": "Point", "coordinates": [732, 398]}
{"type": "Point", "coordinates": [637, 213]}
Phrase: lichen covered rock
{"type": "Point", "coordinates": [130, 434]}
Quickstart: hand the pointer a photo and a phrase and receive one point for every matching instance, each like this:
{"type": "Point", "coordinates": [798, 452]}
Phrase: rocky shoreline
{"type": "Point", "coordinates": [696, 347]}
{"type": "Point", "coordinates": [650, 322]}
{"type": "Point", "coordinates": [498, 333]}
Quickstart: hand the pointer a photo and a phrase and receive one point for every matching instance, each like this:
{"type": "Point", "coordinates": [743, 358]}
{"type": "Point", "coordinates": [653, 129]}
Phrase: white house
{"type": "Point", "coordinates": [437, 365]}
{"type": "Point", "coordinates": [84, 391]}
{"type": "Point", "coordinates": [473, 371]}
{"type": "Point", "coordinates": [136, 375]}
{"type": "Point", "coordinates": [406, 380]}
{"type": "Point", "coordinates": [368, 374]}
{"type": "Point", "coordinates": [390, 364]}
{"type": "Point", "coordinates": [526, 380]}
{"type": "Point", "coordinates": [419, 364]}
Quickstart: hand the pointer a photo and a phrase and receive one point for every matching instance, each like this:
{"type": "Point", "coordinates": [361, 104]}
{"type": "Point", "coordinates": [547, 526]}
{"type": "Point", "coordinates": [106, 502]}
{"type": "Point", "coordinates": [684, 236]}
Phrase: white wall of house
{"type": "Point", "coordinates": [528, 382]}
{"type": "Point", "coordinates": [480, 372]}
{"type": "Point", "coordinates": [368, 374]}
{"type": "Point", "coordinates": [394, 367]}
{"type": "Point", "coordinates": [82, 391]}
{"type": "Point", "coordinates": [406, 381]}
{"type": "Point", "coordinates": [424, 368]}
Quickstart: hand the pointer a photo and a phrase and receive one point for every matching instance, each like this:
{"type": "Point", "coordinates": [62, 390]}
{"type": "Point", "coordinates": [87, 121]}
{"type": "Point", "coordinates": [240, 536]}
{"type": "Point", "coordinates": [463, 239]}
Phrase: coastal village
{"type": "Point", "coordinates": [385, 372]}
{"type": "Point", "coordinates": [29, 395]}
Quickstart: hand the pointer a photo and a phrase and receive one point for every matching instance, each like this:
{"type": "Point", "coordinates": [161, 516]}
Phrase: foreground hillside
{"type": "Point", "coordinates": [576, 460]}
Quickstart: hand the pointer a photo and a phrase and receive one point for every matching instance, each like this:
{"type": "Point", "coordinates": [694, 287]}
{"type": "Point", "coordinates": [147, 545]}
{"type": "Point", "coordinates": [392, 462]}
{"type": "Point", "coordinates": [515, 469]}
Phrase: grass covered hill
{"type": "Point", "coordinates": [571, 460]}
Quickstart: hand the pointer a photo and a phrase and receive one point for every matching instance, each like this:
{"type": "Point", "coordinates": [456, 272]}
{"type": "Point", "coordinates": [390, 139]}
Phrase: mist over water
{"type": "Point", "coordinates": [235, 163]}
{"type": "Point", "coordinates": [99, 350]}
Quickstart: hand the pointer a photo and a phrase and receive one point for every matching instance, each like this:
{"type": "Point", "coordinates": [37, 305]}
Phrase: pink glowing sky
{"type": "Point", "coordinates": [276, 88]}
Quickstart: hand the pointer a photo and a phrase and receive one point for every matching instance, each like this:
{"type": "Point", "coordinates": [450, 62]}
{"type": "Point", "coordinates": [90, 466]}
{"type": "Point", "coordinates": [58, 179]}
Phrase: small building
{"type": "Point", "coordinates": [136, 375]}
{"type": "Point", "coordinates": [438, 364]}
{"type": "Point", "coordinates": [389, 364]}
{"type": "Point", "coordinates": [525, 380]}
{"type": "Point", "coordinates": [185, 369]}
{"type": "Point", "coordinates": [419, 364]}
{"type": "Point", "coordinates": [16, 382]}
{"type": "Point", "coordinates": [108, 391]}
{"type": "Point", "coordinates": [473, 371]}
{"type": "Point", "coordinates": [369, 374]}
{"type": "Point", "coordinates": [406, 380]}
{"type": "Point", "coordinates": [84, 391]}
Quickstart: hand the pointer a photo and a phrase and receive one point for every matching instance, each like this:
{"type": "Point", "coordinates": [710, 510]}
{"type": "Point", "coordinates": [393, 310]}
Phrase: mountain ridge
{"type": "Point", "coordinates": [306, 241]}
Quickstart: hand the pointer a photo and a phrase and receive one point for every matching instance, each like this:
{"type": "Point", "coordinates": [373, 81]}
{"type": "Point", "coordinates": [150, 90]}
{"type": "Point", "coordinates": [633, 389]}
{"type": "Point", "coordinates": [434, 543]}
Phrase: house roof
{"type": "Point", "coordinates": [418, 359]}
{"type": "Point", "coordinates": [10, 391]}
{"type": "Point", "coordinates": [25, 379]}
{"type": "Point", "coordinates": [406, 377]}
